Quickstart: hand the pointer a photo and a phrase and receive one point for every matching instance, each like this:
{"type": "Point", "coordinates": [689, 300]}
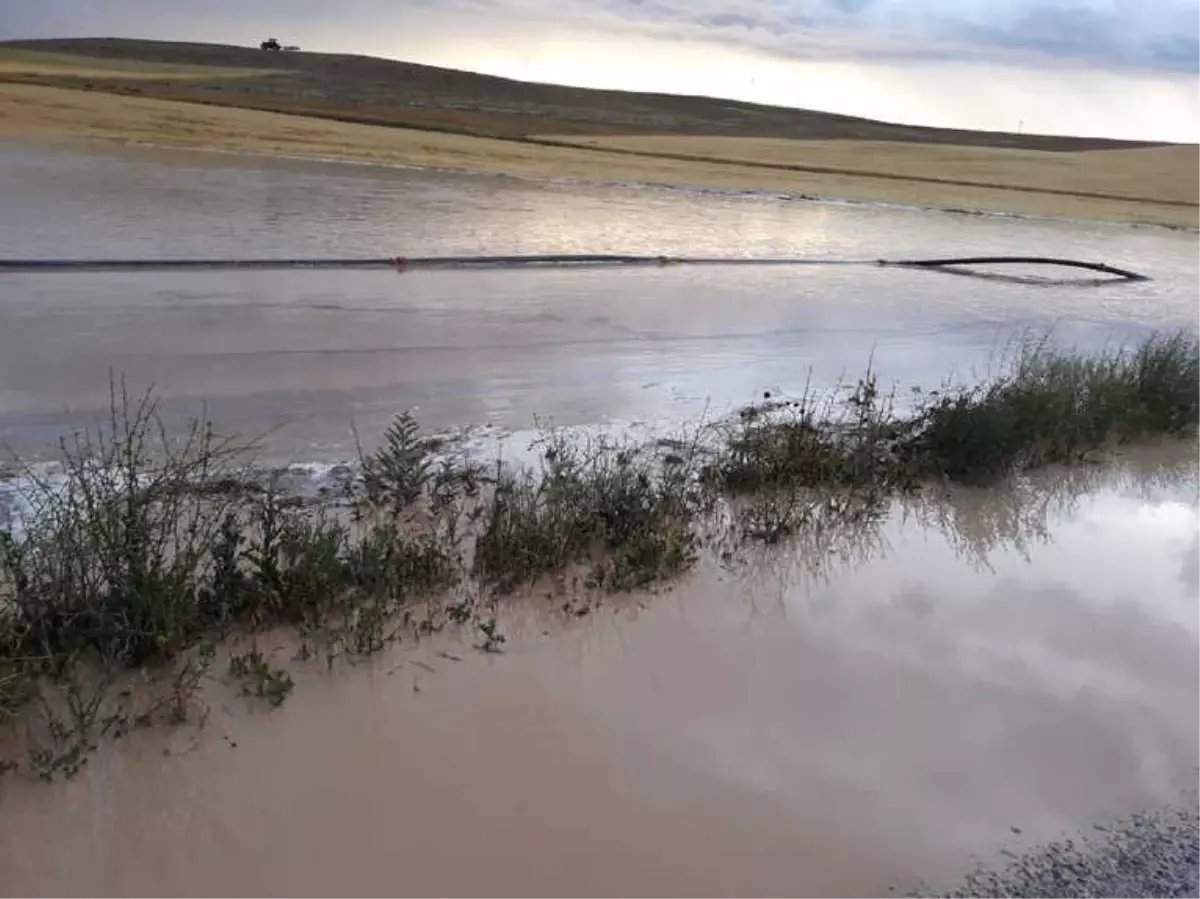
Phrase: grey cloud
{"type": "Point", "coordinates": [1176, 52]}
{"type": "Point", "coordinates": [1162, 34]}
{"type": "Point", "coordinates": [1109, 33]}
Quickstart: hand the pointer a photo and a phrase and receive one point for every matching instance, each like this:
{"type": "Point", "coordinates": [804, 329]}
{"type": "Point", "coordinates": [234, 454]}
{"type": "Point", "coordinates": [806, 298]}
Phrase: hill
{"type": "Point", "coordinates": [360, 108]}
{"type": "Point", "coordinates": [383, 91]}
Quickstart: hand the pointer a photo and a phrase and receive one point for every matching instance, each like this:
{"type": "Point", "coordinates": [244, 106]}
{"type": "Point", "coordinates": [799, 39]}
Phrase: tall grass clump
{"type": "Point", "coordinates": [1055, 405]}
{"type": "Point", "coordinates": [789, 462]}
{"type": "Point", "coordinates": [804, 466]}
{"type": "Point", "coordinates": [848, 439]}
{"type": "Point", "coordinates": [1052, 405]}
{"type": "Point", "coordinates": [620, 508]}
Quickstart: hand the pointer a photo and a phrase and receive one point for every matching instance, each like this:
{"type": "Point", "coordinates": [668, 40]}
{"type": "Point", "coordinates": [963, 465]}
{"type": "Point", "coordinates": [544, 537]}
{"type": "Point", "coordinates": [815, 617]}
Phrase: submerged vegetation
{"type": "Point", "coordinates": [153, 556]}
{"type": "Point", "coordinates": [618, 507]}
{"type": "Point", "coordinates": [1051, 406]}
{"type": "Point", "coordinates": [1056, 405]}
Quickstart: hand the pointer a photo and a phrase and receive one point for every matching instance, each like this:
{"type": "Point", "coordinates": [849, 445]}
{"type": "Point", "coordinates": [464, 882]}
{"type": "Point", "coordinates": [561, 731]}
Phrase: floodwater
{"type": "Point", "coordinates": [875, 708]}
{"type": "Point", "coordinates": [865, 713]}
{"type": "Point", "coordinates": [302, 354]}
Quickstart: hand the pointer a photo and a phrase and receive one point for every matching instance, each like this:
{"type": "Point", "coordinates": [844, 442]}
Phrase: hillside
{"type": "Point", "coordinates": [358, 108]}
{"type": "Point", "coordinates": [381, 91]}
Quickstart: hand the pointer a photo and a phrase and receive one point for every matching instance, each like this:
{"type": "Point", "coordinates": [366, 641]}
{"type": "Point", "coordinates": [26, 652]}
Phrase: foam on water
{"type": "Point", "coordinates": [17, 490]}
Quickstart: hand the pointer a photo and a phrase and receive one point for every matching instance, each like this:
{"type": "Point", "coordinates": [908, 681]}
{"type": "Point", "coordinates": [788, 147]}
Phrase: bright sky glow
{"type": "Point", "coordinates": [1114, 68]}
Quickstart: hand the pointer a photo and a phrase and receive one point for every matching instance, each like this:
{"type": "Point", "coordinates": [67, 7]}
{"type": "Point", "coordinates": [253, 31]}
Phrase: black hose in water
{"type": "Point", "coordinates": [579, 260]}
{"type": "Point", "coordinates": [1017, 260]}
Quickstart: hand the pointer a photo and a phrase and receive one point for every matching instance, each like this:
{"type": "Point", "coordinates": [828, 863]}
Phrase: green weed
{"type": "Point", "coordinates": [260, 678]}
{"type": "Point", "coordinates": [591, 501]}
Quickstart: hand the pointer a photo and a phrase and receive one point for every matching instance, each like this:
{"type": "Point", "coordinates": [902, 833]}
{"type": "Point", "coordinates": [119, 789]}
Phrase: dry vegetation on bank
{"type": "Point", "coordinates": [1154, 175]}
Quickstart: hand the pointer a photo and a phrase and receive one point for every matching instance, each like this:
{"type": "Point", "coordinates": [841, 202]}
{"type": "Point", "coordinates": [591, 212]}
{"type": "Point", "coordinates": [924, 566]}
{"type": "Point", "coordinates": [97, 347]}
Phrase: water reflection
{"type": "Point", "coordinates": [1030, 280]}
{"type": "Point", "coordinates": [1021, 513]}
{"type": "Point", "coordinates": [1152, 490]}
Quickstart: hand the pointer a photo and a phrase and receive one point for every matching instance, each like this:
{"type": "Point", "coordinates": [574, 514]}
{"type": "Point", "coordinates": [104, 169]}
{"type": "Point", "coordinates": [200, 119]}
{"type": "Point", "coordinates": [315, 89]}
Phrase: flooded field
{"type": "Point", "coordinates": [853, 711]}
{"type": "Point", "coordinates": [301, 353]}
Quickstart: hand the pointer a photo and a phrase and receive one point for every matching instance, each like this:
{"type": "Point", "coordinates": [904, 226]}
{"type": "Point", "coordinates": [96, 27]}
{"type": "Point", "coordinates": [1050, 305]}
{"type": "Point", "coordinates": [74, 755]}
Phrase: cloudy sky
{"type": "Point", "coordinates": [1118, 68]}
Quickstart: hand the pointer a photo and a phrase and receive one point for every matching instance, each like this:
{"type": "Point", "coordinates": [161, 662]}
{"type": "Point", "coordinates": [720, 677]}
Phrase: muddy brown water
{"type": "Point", "coordinates": [863, 711]}
{"type": "Point", "coordinates": [841, 717]}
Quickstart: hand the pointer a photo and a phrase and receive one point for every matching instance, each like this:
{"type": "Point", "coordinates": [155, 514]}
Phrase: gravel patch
{"type": "Point", "coordinates": [1153, 854]}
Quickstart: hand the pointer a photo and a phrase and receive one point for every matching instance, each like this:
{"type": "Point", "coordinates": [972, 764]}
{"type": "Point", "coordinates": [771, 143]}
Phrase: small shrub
{"type": "Point", "coordinates": [851, 441]}
{"type": "Point", "coordinates": [15, 689]}
{"type": "Point", "coordinates": [590, 500]}
{"type": "Point", "coordinates": [388, 574]}
{"type": "Point", "coordinates": [396, 475]}
{"type": "Point", "coordinates": [386, 563]}
{"type": "Point", "coordinates": [231, 593]}
{"type": "Point", "coordinates": [297, 559]}
{"type": "Point", "coordinates": [492, 638]}
{"type": "Point", "coordinates": [111, 561]}
{"type": "Point", "coordinates": [260, 678]}
{"type": "Point", "coordinates": [185, 685]}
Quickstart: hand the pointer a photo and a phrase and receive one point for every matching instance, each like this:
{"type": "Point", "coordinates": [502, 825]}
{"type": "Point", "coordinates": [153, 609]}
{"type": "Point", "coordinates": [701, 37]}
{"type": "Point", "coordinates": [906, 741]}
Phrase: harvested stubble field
{"type": "Point", "coordinates": [374, 110]}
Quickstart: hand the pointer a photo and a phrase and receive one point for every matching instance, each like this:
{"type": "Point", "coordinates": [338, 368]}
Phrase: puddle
{"type": "Point", "coordinates": [862, 711]}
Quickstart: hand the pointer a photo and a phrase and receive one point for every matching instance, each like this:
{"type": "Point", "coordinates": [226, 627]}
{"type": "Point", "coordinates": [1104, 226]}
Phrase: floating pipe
{"type": "Point", "coordinates": [402, 262]}
{"type": "Point", "coordinates": [405, 263]}
{"type": "Point", "coordinates": [1017, 260]}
